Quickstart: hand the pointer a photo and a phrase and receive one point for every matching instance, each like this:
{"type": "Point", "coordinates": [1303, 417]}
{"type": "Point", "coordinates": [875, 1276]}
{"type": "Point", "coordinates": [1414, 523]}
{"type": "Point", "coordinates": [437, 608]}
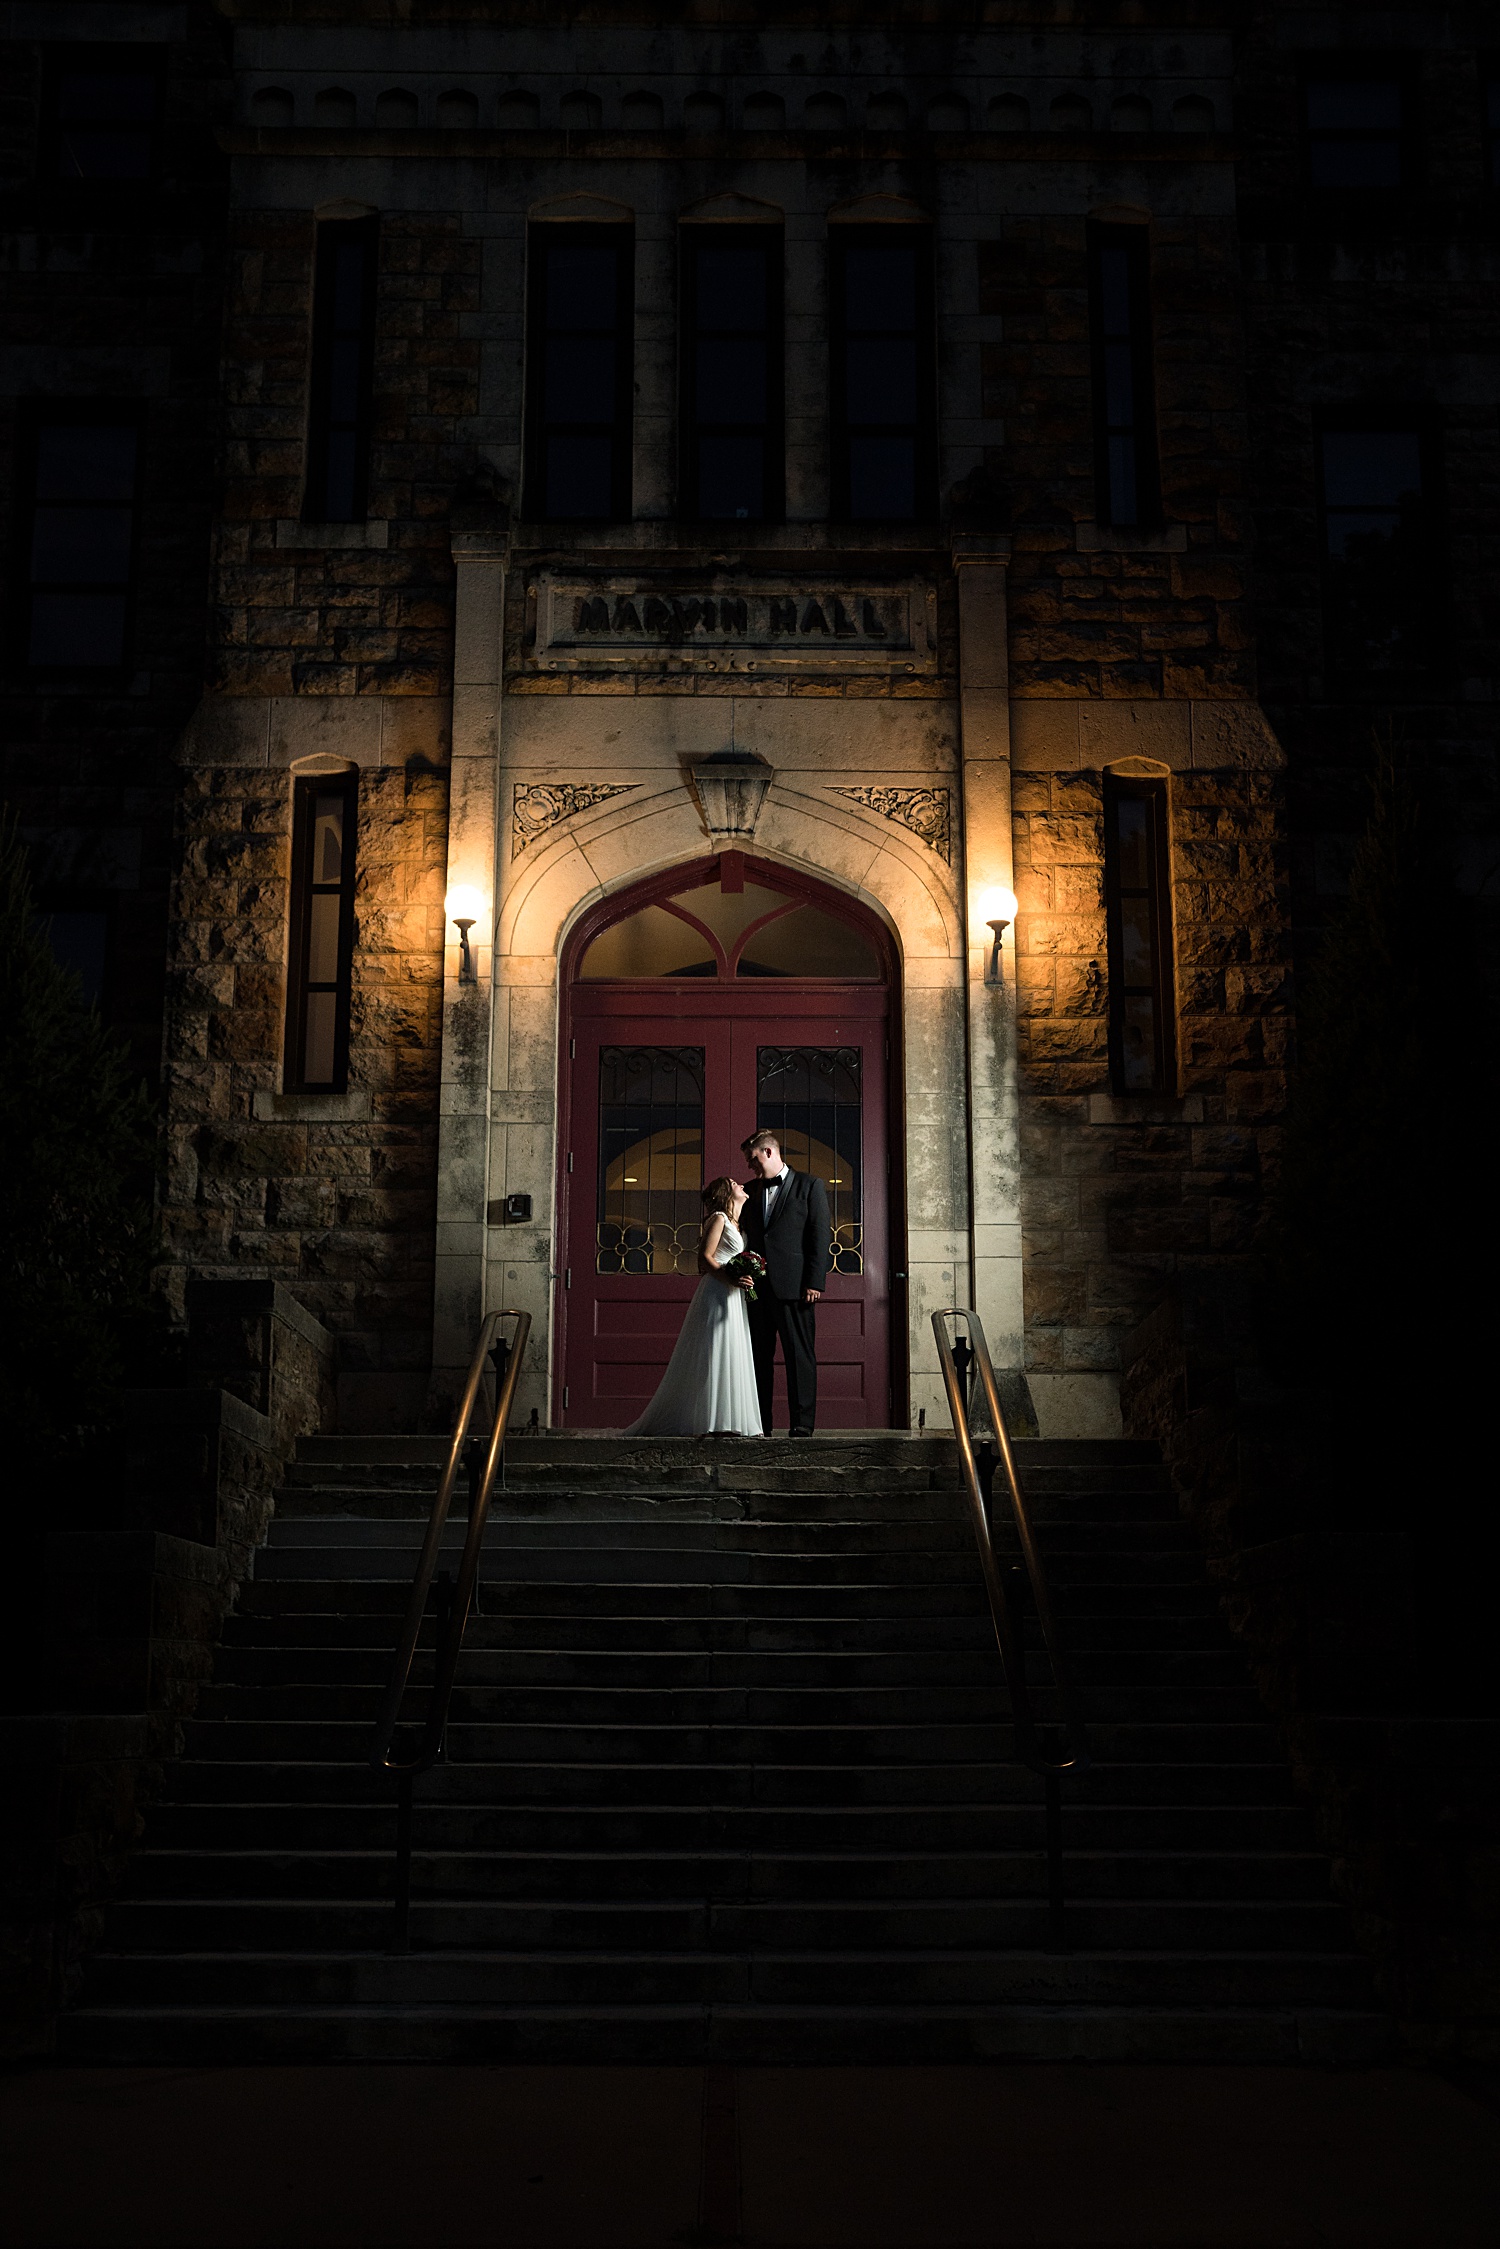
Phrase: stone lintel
{"type": "Point", "coordinates": [1111, 538]}
{"type": "Point", "coordinates": [1077, 735]}
{"type": "Point", "coordinates": [1144, 1109]}
{"type": "Point", "coordinates": [375, 532]}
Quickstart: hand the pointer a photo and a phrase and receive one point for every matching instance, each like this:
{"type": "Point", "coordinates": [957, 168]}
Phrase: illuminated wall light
{"type": "Point", "coordinates": [997, 910]}
{"type": "Point", "coordinates": [464, 907]}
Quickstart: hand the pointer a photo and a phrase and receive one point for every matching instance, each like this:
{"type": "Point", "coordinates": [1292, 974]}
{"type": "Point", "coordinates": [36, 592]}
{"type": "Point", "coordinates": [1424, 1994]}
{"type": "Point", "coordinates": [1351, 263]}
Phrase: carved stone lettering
{"type": "Point", "coordinates": [732, 624]}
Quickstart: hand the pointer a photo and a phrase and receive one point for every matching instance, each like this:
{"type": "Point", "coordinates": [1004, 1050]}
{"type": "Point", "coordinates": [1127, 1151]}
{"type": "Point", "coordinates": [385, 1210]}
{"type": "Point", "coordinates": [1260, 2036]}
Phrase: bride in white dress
{"type": "Point", "coordinates": [709, 1387]}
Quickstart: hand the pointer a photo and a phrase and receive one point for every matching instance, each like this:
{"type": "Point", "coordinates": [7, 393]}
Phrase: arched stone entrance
{"type": "Point", "coordinates": [716, 997]}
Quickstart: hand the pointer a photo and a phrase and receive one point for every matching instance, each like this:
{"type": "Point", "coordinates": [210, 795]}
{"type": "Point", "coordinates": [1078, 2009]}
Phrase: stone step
{"type": "Point", "coordinates": [590, 1783]}
{"type": "Point", "coordinates": [455, 1977]}
{"type": "Point", "coordinates": [903, 1597]}
{"type": "Point", "coordinates": [853, 1448]}
{"type": "Point", "coordinates": [628, 1563]}
{"type": "Point", "coordinates": [255, 1869]}
{"type": "Point", "coordinates": [293, 1670]}
{"type": "Point", "coordinates": [254, 1631]}
{"type": "Point", "coordinates": [745, 1743]}
{"type": "Point", "coordinates": [507, 1531]}
{"type": "Point", "coordinates": [897, 1496]}
{"type": "Point", "coordinates": [748, 2035]}
{"type": "Point", "coordinates": [1266, 1838]}
{"type": "Point", "coordinates": [796, 1701]}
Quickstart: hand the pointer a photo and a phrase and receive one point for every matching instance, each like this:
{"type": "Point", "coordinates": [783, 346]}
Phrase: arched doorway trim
{"type": "Point", "coordinates": [716, 1045]}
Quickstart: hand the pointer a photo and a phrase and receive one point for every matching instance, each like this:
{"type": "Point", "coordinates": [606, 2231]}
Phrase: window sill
{"type": "Point", "coordinates": [1106, 538]}
{"type": "Point", "coordinates": [312, 1108]}
{"type": "Point", "coordinates": [1144, 1109]}
{"type": "Point", "coordinates": [291, 533]}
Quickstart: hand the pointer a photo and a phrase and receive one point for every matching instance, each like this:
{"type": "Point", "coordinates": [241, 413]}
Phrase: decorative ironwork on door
{"type": "Point", "coordinates": [650, 1159]}
{"type": "Point", "coordinates": [811, 1097]}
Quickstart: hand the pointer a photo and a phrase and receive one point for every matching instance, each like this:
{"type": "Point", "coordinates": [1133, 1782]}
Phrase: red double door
{"type": "Point", "coordinates": [664, 1080]}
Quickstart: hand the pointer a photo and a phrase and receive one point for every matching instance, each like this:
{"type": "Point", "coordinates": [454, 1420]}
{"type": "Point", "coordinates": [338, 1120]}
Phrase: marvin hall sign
{"type": "Point", "coordinates": [732, 624]}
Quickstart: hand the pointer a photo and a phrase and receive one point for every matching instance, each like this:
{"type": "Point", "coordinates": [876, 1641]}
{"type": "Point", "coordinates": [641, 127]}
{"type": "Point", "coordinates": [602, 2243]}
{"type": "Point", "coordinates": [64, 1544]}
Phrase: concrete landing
{"type": "Point", "coordinates": [1065, 2157]}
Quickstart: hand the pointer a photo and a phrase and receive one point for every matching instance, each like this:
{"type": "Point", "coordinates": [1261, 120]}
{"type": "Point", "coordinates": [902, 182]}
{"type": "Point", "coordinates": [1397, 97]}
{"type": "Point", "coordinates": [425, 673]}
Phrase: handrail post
{"type": "Point", "coordinates": [959, 1357]}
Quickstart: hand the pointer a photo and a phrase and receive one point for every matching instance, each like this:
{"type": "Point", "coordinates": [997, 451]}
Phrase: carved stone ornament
{"type": "Point", "coordinates": [731, 788]}
{"type": "Point", "coordinates": [924, 811]}
{"type": "Point", "coordinates": [539, 807]}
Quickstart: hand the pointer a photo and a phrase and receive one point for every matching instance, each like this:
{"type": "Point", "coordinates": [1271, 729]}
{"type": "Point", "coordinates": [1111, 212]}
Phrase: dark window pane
{"type": "Point", "coordinates": [650, 1159]}
{"type": "Point", "coordinates": [582, 280]}
{"type": "Point", "coordinates": [731, 475]}
{"type": "Point", "coordinates": [1371, 468]}
{"type": "Point", "coordinates": [77, 628]}
{"type": "Point", "coordinates": [811, 1098]}
{"type": "Point", "coordinates": [880, 286]}
{"type": "Point", "coordinates": [1114, 292]}
{"type": "Point", "coordinates": [349, 270]}
{"type": "Point", "coordinates": [881, 380]}
{"type": "Point", "coordinates": [1119, 384]}
{"type": "Point", "coordinates": [1131, 828]}
{"type": "Point", "coordinates": [883, 478]}
{"type": "Point", "coordinates": [81, 546]}
{"type": "Point", "coordinates": [80, 944]}
{"type": "Point", "coordinates": [1355, 163]}
{"type": "Point", "coordinates": [119, 95]}
{"type": "Point", "coordinates": [1135, 933]}
{"type": "Point", "coordinates": [1371, 104]}
{"type": "Point", "coordinates": [579, 476]}
{"type": "Point", "coordinates": [1124, 506]}
{"type": "Point", "coordinates": [319, 1045]}
{"type": "Point", "coordinates": [95, 153]}
{"type": "Point", "coordinates": [1139, 1027]}
{"type": "Point", "coordinates": [85, 461]}
{"type": "Point", "coordinates": [328, 840]}
{"type": "Point", "coordinates": [342, 452]}
{"type": "Point", "coordinates": [731, 377]}
{"type": "Point", "coordinates": [732, 290]}
{"type": "Point", "coordinates": [323, 937]}
{"type": "Point", "coordinates": [580, 378]}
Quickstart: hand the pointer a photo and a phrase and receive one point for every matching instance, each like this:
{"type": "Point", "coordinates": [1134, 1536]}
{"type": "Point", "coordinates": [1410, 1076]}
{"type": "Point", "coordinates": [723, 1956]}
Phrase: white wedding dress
{"type": "Point", "coordinates": [709, 1386]}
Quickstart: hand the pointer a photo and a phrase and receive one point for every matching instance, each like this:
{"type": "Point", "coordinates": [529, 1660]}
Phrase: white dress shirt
{"type": "Point", "coordinates": [773, 1189]}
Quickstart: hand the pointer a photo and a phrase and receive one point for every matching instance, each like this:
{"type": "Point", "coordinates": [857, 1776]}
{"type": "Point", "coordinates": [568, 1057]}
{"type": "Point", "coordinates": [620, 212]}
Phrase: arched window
{"type": "Point", "coordinates": [730, 924]}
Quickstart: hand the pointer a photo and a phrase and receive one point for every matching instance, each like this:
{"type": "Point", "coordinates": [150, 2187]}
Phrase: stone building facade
{"type": "Point", "coordinates": [551, 715]}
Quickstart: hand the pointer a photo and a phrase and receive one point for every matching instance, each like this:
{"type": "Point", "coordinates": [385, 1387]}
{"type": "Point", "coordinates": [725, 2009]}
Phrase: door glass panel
{"type": "Point", "coordinates": [807, 942]}
{"type": "Point", "coordinates": [810, 1096]}
{"type": "Point", "coordinates": [649, 943]}
{"type": "Point", "coordinates": [650, 1158]}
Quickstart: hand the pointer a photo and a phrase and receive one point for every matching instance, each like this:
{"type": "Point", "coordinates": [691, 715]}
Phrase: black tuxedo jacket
{"type": "Point", "coordinates": [795, 1244]}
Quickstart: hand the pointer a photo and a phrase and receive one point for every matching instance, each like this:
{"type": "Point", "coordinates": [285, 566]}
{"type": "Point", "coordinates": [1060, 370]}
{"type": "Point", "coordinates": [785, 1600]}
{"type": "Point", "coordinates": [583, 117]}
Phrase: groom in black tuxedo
{"type": "Point", "coordinates": [786, 1221]}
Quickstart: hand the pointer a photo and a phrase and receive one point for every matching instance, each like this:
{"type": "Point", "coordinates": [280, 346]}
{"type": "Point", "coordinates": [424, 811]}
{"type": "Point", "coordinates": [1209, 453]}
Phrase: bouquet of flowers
{"type": "Point", "coordinates": [748, 1266]}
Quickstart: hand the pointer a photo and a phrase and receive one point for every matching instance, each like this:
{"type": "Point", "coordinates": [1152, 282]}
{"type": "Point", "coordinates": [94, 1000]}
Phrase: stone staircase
{"type": "Point", "coordinates": [730, 1776]}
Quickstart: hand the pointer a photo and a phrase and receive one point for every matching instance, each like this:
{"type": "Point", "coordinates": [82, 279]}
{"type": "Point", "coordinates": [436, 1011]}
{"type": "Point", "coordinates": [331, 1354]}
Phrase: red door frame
{"type": "Point", "coordinates": [694, 1011]}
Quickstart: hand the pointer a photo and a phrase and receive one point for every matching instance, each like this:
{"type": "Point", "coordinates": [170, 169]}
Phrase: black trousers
{"type": "Point", "coordinates": [796, 1328]}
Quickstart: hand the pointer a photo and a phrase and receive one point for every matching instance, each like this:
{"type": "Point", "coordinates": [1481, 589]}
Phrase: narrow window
{"type": "Point", "coordinates": [1142, 1013]}
{"type": "Point", "coordinates": [343, 354]}
{"type": "Point", "coordinates": [579, 373]}
{"type": "Point", "coordinates": [1357, 123]}
{"type": "Point", "coordinates": [732, 451]}
{"type": "Point", "coordinates": [883, 414]}
{"type": "Point", "coordinates": [1125, 465]}
{"type": "Point", "coordinates": [321, 951]}
{"type": "Point", "coordinates": [1380, 565]}
{"type": "Point", "coordinates": [102, 110]}
{"type": "Point", "coordinates": [77, 927]}
{"type": "Point", "coordinates": [82, 541]}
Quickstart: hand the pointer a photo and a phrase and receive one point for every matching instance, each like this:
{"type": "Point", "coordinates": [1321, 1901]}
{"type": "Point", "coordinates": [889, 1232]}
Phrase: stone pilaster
{"type": "Point", "coordinates": [473, 842]}
{"type": "Point", "coordinates": [980, 563]}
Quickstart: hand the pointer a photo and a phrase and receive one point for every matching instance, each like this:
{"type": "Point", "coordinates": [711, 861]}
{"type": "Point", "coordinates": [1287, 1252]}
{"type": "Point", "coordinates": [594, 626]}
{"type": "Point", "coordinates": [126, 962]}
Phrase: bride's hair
{"type": "Point", "coordinates": [719, 1194]}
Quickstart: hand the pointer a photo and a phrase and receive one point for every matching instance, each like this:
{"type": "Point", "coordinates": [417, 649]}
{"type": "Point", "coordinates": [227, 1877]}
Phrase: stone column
{"type": "Point", "coordinates": [980, 563]}
{"type": "Point", "coordinates": [473, 831]}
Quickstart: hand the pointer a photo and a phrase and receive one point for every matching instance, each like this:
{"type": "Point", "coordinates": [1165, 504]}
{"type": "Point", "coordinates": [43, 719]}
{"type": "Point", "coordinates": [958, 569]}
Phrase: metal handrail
{"type": "Point", "coordinates": [979, 1485]}
{"type": "Point", "coordinates": [452, 1622]}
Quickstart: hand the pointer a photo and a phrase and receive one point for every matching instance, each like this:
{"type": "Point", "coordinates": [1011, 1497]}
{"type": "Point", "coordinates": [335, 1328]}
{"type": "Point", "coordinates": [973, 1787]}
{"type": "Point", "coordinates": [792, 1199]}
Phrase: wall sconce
{"type": "Point", "coordinates": [464, 907]}
{"type": "Point", "coordinates": [997, 910]}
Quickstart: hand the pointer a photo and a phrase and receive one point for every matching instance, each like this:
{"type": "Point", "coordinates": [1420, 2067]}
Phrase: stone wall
{"type": "Point", "coordinates": [1126, 1200]}
{"type": "Point", "coordinates": [332, 1195]}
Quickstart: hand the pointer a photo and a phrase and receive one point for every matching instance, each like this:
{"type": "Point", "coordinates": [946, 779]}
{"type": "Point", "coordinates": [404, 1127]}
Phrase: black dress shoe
{"type": "Point", "coordinates": [799, 1432]}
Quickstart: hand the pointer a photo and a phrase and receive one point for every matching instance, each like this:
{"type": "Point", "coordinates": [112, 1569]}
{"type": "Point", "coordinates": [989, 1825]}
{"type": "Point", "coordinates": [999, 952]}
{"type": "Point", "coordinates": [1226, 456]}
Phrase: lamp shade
{"type": "Point", "coordinates": [997, 905]}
